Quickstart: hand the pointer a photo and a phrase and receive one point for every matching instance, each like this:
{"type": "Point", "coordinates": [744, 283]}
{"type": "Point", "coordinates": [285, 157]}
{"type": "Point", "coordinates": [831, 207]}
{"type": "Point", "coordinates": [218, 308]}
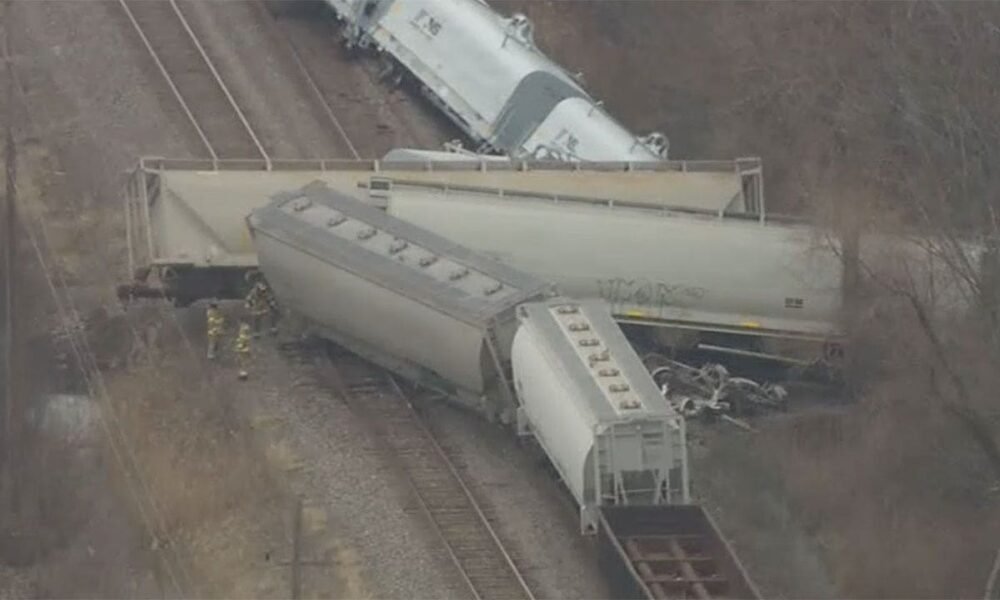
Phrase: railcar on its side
{"type": "Point", "coordinates": [486, 74]}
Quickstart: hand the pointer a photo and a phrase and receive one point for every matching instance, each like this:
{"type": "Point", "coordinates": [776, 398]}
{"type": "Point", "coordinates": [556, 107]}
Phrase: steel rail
{"type": "Point", "coordinates": [478, 583]}
{"type": "Point", "coordinates": [222, 84]}
{"type": "Point", "coordinates": [169, 80]}
{"type": "Point", "coordinates": [216, 77]}
{"type": "Point", "coordinates": [311, 81]}
{"type": "Point", "coordinates": [446, 460]}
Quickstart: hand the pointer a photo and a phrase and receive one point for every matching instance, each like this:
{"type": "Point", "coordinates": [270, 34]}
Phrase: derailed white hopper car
{"type": "Point", "coordinates": [186, 219]}
{"type": "Point", "coordinates": [692, 270]}
{"type": "Point", "coordinates": [406, 299]}
{"type": "Point", "coordinates": [592, 406]}
{"type": "Point", "coordinates": [445, 318]}
{"type": "Point", "coordinates": [487, 75]}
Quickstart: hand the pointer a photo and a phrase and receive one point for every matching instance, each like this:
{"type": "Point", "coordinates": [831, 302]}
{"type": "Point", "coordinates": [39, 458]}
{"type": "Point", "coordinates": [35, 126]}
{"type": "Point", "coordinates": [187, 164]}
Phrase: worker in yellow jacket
{"type": "Point", "coordinates": [214, 328]}
{"type": "Point", "coordinates": [242, 349]}
{"type": "Point", "coordinates": [261, 305]}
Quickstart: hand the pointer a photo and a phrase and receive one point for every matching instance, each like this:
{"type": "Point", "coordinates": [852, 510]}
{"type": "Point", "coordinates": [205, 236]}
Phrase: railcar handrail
{"type": "Point", "coordinates": [741, 166]}
{"type": "Point", "coordinates": [385, 184]}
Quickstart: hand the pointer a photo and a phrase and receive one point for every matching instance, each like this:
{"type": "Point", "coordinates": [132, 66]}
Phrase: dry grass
{"type": "Point", "coordinates": [898, 497]}
{"type": "Point", "coordinates": [212, 492]}
{"type": "Point", "coordinates": [214, 500]}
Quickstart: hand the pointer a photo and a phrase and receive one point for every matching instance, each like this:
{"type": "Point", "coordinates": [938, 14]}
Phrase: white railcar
{"type": "Point", "coordinates": [577, 129]}
{"type": "Point", "coordinates": [666, 248]}
{"type": "Point", "coordinates": [469, 59]}
{"type": "Point", "coordinates": [185, 220]}
{"type": "Point", "coordinates": [483, 334]}
{"type": "Point", "coordinates": [485, 72]}
{"type": "Point", "coordinates": [673, 268]}
{"type": "Point", "coordinates": [400, 296]}
{"type": "Point", "coordinates": [696, 270]}
{"type": "Point", "coordinates": [592, 406]}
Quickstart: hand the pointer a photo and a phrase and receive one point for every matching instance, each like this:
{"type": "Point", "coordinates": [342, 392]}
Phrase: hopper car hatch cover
{"type": "Point", "coordinates": [595, 350]}
{"type": "Point", "coordinates": [428, 268]}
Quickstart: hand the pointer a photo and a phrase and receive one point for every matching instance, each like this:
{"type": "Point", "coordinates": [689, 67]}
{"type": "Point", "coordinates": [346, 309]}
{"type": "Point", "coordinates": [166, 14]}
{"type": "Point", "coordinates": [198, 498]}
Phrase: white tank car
{"type": "Point", "coordinates": [592, 406]}
{"type": "Point", "coordinates": [186, 220]}
{"type": "Point", "coordinates": [400, 296]}
{"type": "Point", "coordinates": [485, 72]}
{"type": "Point", "coordinates": [577, 130]}
{"type": "Point", "coordinates": [694, 270]}
{"type": "Point", "coordinates": [653, 266]}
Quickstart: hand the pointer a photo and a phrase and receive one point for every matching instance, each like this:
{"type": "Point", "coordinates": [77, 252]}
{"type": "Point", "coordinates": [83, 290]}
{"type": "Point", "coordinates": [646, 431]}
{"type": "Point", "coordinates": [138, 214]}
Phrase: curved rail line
{"type": "Point", "coordinates": [193, 79]}
{"type": "Point", "coordinates": [486, 566]}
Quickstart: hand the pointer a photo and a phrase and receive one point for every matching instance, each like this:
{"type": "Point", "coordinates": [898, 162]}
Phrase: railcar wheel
{"type": "Point", "coordinates": [833, 353]}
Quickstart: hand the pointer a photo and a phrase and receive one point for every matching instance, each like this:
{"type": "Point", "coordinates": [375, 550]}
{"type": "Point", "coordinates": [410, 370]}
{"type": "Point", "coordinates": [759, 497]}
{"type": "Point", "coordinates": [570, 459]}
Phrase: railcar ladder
{"type": "Point", "coordinates": [504, 372]}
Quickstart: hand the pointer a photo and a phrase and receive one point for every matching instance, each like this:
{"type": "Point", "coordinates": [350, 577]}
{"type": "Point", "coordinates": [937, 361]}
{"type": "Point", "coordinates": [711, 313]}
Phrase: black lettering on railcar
{"type": "Point", "coordinates": [566, 142]}
{"type": "Point", "coordinates": [794, 302]}
{"type": "Point", "coordinates": [644, 292]}
{"type": "Point", "coordinates": [607, 289]}
{"type": "Point", "coordinates": [425, 22]}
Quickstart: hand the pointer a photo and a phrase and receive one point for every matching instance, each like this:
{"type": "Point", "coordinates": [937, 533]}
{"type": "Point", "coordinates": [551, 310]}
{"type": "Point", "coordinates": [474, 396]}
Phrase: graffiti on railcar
{"type": "Point", "coordinates": [622, 292]}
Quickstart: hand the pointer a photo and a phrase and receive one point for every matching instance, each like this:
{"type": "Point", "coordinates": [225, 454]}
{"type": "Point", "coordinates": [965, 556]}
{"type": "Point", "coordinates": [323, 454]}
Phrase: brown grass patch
{"type": "Point", "coordinates": [212, 493]}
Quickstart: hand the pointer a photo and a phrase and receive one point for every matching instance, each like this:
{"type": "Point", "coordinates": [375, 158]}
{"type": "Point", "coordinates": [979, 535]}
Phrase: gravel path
{"type": "Point", "coordinates": [330, 459]}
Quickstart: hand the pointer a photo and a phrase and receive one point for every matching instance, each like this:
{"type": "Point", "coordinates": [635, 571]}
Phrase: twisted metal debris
{"type": "Point", "coordinates": [711, 390]}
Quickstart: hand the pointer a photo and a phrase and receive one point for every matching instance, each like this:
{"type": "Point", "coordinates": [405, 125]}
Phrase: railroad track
{"type": "Point", "coordinates": [310, 80]}
{"type": "Point", "coordinates": [462, 525]}
{"type": "Point", "coordinates": [192, 77]}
